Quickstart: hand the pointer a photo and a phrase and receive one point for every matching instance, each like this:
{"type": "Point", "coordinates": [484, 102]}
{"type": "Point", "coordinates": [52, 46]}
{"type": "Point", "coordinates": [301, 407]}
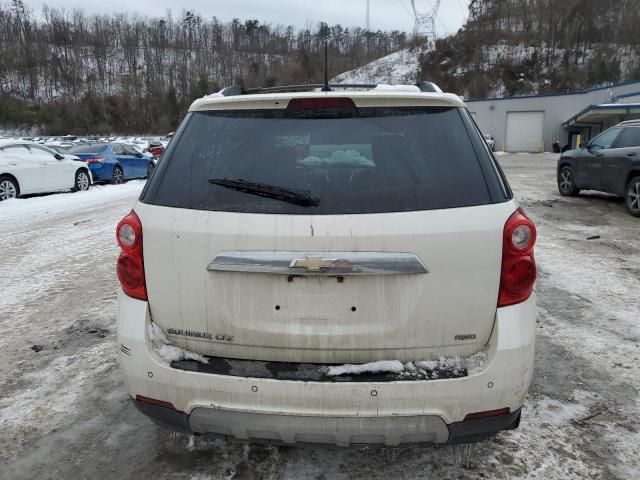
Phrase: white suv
{"type": "Point", "coordinates": [345, 267]}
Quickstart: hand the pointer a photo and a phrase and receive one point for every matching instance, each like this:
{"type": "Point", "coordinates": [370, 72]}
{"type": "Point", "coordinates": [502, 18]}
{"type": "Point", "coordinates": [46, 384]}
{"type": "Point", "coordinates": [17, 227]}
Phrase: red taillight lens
{"type": "Point", "coordinates": [518, 274]}
{"type": "Point", "coordinates": [95, 160]}
{"type": "Point", "coordinates": [130, 266]}
{"type": "Point", "coordinates": [130, 272]}
{"type": "Point", "coordinates": [322, 102]}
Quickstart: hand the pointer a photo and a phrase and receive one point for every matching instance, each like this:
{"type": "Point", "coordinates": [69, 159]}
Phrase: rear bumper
{"type": "Point", "coordinates": [100, 172]}
{"type": "Point", "coordinates": [345, 413]}
{"type": "Point", "coordinates": [370, 430]}
{"type": "Point", "coordinates": [96, 172]}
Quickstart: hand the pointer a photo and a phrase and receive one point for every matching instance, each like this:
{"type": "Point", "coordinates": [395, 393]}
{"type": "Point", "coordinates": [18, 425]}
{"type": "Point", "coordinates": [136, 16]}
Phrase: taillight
{"type": "Point", "coordinates": [518, 274]}
{"type": "Point", "coordinates": [95, 160]}
{"type": "Point", "coordinates": [130, 266]}
{"type": "Point", "coordinates": [322, 102]}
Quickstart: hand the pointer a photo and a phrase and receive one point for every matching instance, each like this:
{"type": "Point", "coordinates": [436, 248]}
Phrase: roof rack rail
{"type": "Point", "coordinates": [426, 86]}
{"type": "Point", "coordinates": [234, 90]}
{"type": "Point", "coordinates": [307, 87]}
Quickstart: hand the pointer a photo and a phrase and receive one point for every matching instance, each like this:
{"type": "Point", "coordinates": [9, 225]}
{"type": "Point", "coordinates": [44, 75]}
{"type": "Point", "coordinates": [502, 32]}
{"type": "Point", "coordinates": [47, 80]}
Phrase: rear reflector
{"type": "Point", "coordinates": [322, 102]}
{"type": "Point", "coordinates": [487, 414]}
{"type": "Point", "coordinates": [153, 401]}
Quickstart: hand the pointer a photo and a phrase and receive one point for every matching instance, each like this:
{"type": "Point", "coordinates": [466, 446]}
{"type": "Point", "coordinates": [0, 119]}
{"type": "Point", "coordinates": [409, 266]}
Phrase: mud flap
{"type": "Point", "coordinates": [479, 429]}
{"type": "Point", "coordinates": [167, 418]}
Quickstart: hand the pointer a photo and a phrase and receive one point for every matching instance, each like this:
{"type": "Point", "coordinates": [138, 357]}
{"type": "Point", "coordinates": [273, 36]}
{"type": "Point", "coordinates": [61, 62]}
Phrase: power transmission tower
{"type": "Point", "coordinates": [425, 24]}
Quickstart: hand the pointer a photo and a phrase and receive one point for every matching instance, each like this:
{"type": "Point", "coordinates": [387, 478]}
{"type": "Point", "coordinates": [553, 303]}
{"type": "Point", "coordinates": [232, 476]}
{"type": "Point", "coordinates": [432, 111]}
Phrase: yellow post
{"type": "Point", "coordinates": [578, 140]}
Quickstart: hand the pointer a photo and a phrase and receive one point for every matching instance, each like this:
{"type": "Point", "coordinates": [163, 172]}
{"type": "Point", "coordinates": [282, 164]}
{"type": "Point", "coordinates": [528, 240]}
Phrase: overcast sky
{"type": "Point", "coordinates": [385, 14]}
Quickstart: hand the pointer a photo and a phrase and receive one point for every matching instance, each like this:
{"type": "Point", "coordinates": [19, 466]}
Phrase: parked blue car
{"type": "Point", "coordinates": [113, 162]}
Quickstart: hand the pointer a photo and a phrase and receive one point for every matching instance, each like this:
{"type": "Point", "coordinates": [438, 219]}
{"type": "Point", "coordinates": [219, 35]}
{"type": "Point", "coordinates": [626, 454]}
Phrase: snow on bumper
{"type": "Point", "coordinates": [343, 413]}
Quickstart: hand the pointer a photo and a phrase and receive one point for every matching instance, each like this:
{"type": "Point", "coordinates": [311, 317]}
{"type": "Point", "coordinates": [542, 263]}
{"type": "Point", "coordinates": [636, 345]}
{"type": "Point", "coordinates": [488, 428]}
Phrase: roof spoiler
{"type": "Point", "coordinates": [234, 90]}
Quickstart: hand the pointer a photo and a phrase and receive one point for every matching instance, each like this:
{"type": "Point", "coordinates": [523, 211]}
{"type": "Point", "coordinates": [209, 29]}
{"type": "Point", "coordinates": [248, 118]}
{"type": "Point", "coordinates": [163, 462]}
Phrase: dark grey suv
{"type": "Point", "coordinates": [609, 163]}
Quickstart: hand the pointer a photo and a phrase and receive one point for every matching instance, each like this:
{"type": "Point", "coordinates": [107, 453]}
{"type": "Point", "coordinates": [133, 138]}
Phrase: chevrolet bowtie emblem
{"type": "Point", "coordinates": [313, 263]}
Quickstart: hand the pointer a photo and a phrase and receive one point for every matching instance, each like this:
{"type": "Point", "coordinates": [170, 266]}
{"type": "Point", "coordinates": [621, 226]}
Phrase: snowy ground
{"type": "Point", "coordinates": [64, 412]}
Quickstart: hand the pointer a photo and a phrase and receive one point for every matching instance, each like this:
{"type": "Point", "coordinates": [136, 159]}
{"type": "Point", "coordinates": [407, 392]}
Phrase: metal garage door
{"type": "Point", "coordinates": [525, 131]}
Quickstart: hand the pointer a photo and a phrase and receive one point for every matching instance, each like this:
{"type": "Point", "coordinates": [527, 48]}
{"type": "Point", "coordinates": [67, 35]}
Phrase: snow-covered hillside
{"type": "Point", "coordinates": [403, 67]}
{"type": "Point", "coordinates": [398, 68]}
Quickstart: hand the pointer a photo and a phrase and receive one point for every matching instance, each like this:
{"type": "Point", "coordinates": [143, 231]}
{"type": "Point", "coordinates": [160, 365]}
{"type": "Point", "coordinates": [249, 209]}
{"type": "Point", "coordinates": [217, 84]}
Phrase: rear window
{"type": "Point", "coordinates": [366, 160]}
{"type": "Point", "coordinates": [88, 149]}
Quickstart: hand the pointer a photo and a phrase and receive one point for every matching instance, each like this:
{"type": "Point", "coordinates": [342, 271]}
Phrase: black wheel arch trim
{"type": "Point", "coordinates": [633, 173]}
{"type": "Point", "coordinates": [565, 162]}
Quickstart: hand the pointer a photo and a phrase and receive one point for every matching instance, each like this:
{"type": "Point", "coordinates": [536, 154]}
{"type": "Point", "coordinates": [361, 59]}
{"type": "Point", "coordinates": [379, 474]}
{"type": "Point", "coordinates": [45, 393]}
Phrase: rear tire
{"type": "Point", "coordinates": [632, 196]}
{"type": "Point", "coordinates": [118, 175]}
{"type": "Point", "coordinates": [8, 188]}
{"type": "Point", "coordinates": [150, 168]}
{"type": "Point", "coordinates": [82, 181]}
{"type": "Point", "coordinates": [566, 183]}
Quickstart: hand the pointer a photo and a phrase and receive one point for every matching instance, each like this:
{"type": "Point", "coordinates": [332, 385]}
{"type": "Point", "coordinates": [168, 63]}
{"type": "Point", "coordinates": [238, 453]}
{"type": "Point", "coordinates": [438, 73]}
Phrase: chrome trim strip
{"type": "Point", "coordinates": [317, 263]}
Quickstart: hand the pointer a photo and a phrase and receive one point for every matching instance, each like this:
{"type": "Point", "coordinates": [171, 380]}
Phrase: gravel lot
{"type": "Point", "coordinates": [64, 412]}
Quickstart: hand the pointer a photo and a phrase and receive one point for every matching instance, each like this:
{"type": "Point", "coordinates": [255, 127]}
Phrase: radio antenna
{"type": "Point", "coordinates": [326, 87]}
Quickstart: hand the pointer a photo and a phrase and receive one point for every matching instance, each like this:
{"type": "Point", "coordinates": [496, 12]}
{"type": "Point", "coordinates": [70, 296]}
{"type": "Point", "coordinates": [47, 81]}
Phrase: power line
{"type": "Point", "coordinates": [464, 11]}
{"type": "Point", "coordinates": [368, 16]}
{"type": "Point", "coordinates": [404, 6]}
{"type": "Point", "coordinates": [444, 27]}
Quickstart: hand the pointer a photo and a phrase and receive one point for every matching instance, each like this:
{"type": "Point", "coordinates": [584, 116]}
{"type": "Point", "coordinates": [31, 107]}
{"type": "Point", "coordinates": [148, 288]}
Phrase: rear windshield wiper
{"type": "Point", "coordinates": [304, 198]}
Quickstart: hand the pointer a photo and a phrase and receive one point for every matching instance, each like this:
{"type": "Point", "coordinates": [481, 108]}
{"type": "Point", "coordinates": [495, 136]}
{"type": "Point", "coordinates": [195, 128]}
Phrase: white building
{"type": "Point", "coordinates": [533, 123]}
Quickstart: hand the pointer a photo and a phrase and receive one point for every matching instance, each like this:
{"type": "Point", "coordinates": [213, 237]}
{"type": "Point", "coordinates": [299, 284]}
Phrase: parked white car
{"type": "Point", "coordinates": [344, 267]}
{"type": "Point", "coordinates": [27, 168]}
